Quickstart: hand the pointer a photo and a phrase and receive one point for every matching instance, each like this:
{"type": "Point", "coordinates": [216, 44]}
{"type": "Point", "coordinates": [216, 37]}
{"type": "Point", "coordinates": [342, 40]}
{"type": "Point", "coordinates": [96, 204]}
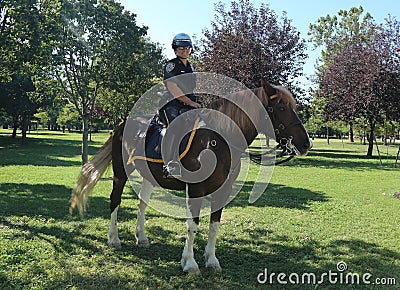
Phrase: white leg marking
{"type": "Point", "coordinates": [113, 239]}
{"type": "Point", "coordinates": [144, 197]}
{"type": "Point", "coordinates": [188, 262]}
{"type": "Point", "coordinates": [209, 253]}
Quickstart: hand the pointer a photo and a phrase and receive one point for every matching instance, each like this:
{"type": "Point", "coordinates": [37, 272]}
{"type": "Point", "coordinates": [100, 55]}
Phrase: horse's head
{"type": "Point", "coordinates": [289, 130]}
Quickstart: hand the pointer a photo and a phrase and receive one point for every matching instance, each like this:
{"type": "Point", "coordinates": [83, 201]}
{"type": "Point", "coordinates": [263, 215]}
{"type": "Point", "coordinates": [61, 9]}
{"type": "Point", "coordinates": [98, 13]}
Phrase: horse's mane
{"type": "Point", "coordinates": [238, 106]}
{"type": "Point", "coordinates": [285, 96]}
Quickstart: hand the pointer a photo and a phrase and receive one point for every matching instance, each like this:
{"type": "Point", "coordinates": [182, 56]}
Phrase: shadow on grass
{"type": "Point", "coordinates": [278, 195]}
{"type": "Point", "coordinates": [42, 152]}
{"type": "Point", "coordinates": [339, 159]}
{"type": "Point", "coordinates": [281, 254]}
{"type": "Point", "coordinates": [48, 200]}
{"type": "Point", "coordinates": [242, 257]}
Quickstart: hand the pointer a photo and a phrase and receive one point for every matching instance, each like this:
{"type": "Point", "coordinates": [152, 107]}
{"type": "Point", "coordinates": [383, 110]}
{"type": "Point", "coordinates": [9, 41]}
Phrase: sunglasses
{"type": "Point", "coordinates": [184, 48]}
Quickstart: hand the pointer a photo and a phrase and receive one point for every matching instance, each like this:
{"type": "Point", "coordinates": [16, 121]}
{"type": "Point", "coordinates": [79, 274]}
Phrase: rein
{"type": "Point", "coordinates": [286, 150]}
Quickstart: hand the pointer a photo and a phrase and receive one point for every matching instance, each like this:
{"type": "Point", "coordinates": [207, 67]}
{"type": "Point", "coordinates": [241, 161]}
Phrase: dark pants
{"type": "Point", "coordinates": [167, 114]}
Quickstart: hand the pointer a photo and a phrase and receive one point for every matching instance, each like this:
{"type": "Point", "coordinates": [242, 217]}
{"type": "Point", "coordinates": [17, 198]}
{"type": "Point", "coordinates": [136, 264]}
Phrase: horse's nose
{"type": "Point", "coordinates": [308, 145]}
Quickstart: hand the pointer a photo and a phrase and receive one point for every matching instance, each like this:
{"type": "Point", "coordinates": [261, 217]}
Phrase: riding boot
{"type": "Point", "coordinates": [172, 167]}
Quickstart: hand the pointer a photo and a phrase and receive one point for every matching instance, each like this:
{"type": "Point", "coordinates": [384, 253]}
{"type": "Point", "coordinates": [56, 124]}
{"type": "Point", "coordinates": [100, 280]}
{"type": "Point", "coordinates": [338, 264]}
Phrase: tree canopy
{"type": "Point", "coordinates": [90, 46]}
{"type": "Point", "coordinates": [246, 43]}
{"type": "Point", "coordinates": [100, 46]}
{"type": "Point", "coordinates": [358, 77]}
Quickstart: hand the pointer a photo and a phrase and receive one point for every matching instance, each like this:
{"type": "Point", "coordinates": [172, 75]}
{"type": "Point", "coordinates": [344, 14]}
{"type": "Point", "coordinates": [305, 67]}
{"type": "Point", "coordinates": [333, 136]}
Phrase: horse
{"type": "Point", "coordinates": [277, 105]}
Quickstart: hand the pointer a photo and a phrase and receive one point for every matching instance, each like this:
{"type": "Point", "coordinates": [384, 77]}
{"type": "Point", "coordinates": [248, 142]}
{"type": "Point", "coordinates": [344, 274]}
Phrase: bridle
{"type": "Point", "coordinates": [288, 149]}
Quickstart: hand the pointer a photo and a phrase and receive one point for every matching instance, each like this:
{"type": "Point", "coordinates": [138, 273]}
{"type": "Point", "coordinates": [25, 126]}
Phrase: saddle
{"type": "Point", "coordinates": [148, 141]}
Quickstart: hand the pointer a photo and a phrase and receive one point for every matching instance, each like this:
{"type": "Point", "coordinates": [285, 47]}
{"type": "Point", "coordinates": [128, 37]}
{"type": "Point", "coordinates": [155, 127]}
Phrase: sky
{"type": "Point", "coordinates": [165, 19]}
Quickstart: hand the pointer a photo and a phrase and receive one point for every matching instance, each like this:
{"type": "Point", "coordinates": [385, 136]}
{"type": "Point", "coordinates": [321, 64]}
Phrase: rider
{"type": "Point", "coordinates": [179, 90]}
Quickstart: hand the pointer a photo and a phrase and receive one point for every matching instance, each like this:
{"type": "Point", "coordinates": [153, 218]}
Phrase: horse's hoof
{"type": "Point", "coordinates": [192, 271]}
{"type": "Point", "coordinates": [115, 244]}
{"type": "Point", "coordinates": [143, 244]}
{"type": "Point", "coordinates": [215, 267]}
{"type": "Point", "coordinates": [190, 267]}
{"type": "Point", "coordinates": [213, 263]}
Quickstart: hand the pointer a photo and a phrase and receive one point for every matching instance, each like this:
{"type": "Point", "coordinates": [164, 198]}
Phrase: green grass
{"type": "Point", "coordinates": [333, 205]}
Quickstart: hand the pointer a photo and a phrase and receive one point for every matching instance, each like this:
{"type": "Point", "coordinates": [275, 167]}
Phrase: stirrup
{"type": "Point", "coordinates": [172, 170]}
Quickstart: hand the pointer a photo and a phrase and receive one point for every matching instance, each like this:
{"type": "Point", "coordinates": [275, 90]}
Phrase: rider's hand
{"type": "Point", "coordinates": [195, 105]}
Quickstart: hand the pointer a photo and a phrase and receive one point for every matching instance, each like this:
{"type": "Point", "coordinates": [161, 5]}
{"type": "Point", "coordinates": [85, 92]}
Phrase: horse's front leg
{"type": "Point", "coordinates": [209, 253]}
{"type": "Point", "coordinates": [218, 202]}
{"type": "Point", "coordinates": [144, 198]}
{"type": "Point", "coordinates": [188, 262]}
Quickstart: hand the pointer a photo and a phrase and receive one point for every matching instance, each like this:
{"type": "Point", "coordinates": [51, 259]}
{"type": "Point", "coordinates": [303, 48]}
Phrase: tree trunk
{"type": "Point", "coordinates": [351, 132]}
{"type": "Point", "coordinates": [85, 135]}
{"type": "Point", "coordinates": [24, 128]}
{"type": "Point", "coordinates": [327, 135]}
{"type": "Point", "coordinates": [371, 138]}
{"type": "Point", "coordinates": [14, 132]}
{"type": "Point", "coordinates": [15, 127]}
{"type": "Point", "coordinates": [364, 136]}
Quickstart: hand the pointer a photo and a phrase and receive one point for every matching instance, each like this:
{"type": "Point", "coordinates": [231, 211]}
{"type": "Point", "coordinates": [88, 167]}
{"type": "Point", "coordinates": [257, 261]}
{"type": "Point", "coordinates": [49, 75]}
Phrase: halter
{"type": "Point", "coordinates": [288, 148]}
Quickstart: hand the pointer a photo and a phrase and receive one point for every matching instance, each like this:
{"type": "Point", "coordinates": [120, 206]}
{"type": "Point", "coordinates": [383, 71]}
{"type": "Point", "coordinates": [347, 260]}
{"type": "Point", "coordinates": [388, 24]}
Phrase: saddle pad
{"type": "Point", "coordinates": [152, 151]}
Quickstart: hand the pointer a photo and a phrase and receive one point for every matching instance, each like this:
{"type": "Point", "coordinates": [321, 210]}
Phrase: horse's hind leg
{"type": "Point", "coordinates": [118, 187]}
{"type": "Point", "coordinates": [119, 181]}
{"type": "Point", "coordinates": [113, 239]}
{"type": "Point", "coordinates": [144, 197]}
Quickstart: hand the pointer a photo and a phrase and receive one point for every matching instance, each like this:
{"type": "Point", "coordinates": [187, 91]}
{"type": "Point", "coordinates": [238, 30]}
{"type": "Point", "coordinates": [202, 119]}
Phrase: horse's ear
{"type": "Point", "coordinates": [270, 90]}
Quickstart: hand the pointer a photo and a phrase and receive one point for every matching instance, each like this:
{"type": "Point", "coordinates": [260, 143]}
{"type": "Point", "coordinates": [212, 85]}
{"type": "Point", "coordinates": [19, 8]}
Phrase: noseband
{"type": "Point", "coordinates": [288, 148]}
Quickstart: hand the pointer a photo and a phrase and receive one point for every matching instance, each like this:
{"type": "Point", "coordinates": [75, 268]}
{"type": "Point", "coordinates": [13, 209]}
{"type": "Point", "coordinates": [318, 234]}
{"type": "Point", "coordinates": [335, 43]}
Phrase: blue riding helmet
{"type": "Point", "coordinates": [181, 39]}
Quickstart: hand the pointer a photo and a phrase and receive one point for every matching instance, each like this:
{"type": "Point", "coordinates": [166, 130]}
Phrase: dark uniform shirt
{"type": "Point", "coordinates": [183, 75]}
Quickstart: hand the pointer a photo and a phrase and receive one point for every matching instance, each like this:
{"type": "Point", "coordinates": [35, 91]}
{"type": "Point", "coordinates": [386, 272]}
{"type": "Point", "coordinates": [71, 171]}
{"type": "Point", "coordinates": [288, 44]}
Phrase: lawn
{"type": "Point", "coordinates": [332, 208]}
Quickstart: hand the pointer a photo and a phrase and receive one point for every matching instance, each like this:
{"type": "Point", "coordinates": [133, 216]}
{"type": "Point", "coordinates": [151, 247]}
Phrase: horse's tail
{"type": "Point", "coordinates": [90, 174]}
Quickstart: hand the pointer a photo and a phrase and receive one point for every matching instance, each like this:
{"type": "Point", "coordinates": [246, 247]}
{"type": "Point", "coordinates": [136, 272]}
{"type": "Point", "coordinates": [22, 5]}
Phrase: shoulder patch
{"type": "Point", "coordinates": [169, 67]}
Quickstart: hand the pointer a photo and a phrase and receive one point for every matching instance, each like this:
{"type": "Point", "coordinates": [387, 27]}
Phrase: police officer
{"type": "Point", "coordinates": [179, 83]}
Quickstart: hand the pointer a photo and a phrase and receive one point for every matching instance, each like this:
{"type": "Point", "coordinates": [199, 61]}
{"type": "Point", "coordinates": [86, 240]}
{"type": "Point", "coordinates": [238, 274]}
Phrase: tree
{"type": "Point", "coordinates": [15, 101]}
{"type": "Point", "coordinates": [246, 44]}
{"type": "Point", "coordinates": [337, 32]}
{"type": "Point", "coordinates": [100, 47]}
{"type": "Point", "coordinates": [348, 84]}
{"type": "Point", "coordinates": [390, 72]}
{"type": "Point", "coordinates": [51, 96]}
{"type": "Point", "coordinates": [355, 75]}
{"type": "Point", "coordinates": [5, 119]}
{"type": "Point", "coordinates": [317, 117]}
{"type": "Point", "coordinates": [42, 117]}
{"type": "Point", "coordinates": [27, 33]}
{"type": "Point", "coordinates": [69, 118]}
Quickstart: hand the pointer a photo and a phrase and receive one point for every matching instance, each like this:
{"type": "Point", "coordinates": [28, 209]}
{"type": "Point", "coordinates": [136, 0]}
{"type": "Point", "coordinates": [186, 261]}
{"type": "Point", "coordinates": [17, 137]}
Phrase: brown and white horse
{"type": "Point", "coordinates": [268, 103]}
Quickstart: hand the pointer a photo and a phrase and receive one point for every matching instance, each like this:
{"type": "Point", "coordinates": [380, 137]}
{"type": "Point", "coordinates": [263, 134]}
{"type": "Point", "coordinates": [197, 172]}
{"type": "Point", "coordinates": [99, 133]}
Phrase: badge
{"type": "Point", "coordinates": [169, 67]}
